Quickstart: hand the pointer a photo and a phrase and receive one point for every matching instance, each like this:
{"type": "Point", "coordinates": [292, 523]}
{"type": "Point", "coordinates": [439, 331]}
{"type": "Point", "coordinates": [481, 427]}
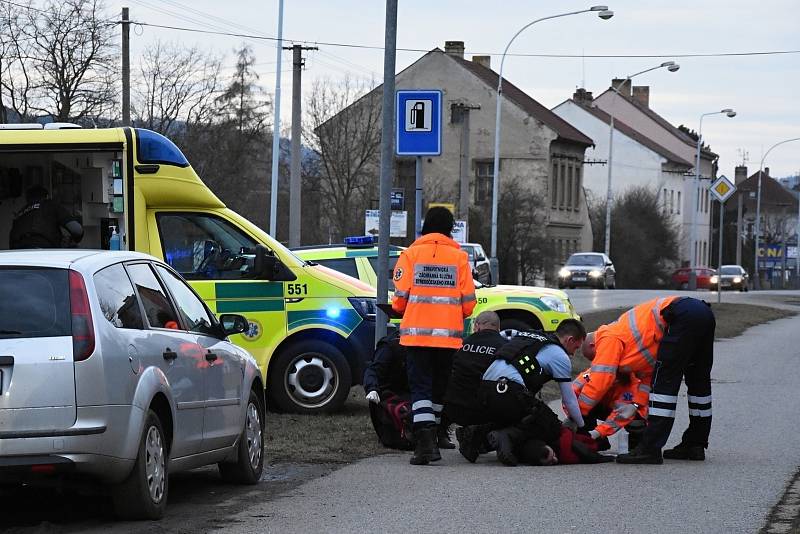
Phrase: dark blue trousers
{"type": "Point", "coordinates": [686, 353]}
{"type": "Point", "coordinates": [428, 373]}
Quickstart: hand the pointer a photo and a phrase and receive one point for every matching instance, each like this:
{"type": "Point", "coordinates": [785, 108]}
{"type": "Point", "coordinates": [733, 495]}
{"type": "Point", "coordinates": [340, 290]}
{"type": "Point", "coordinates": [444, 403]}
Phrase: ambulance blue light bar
{"type": "Point", "coordinates": [359, 241]}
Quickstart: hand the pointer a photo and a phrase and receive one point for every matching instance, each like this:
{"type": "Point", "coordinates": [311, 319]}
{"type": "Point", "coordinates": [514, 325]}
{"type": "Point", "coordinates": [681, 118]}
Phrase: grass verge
{"type": "Point", "coordinates": [348, 435]}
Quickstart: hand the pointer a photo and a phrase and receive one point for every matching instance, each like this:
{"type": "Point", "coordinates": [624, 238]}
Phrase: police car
{"type": "Point", "coordinates": [519, 307]}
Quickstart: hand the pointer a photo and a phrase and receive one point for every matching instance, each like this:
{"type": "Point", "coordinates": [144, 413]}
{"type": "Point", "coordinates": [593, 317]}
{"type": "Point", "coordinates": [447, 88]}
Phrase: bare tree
{"type": "Point", "coordinates": [175, 88]}
{"type": "Point", "coordinates": [73, 57]}
{"type": "Point", "coordinates": [16, 65]}
{"type": "Point", "coordinates": [343, 126]}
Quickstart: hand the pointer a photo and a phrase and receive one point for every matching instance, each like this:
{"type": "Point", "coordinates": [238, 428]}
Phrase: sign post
{"type": "Point", "coordinates": [722, 189]}
{"type": "Point", "coordinates": [419, 133]}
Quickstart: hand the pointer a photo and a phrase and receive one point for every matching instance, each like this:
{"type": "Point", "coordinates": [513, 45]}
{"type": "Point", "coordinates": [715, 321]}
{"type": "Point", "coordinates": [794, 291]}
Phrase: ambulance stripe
{"type": "Point", "coordinates": [245, 306]}
{"type": "Point", "coordinates": [248, 290]}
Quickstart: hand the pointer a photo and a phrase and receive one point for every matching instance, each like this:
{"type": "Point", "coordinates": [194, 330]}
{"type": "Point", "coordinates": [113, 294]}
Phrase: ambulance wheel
{"type": "Point", "coordinates": [510, 326]}
{"type": "Point", "coordinates": [309, 376]}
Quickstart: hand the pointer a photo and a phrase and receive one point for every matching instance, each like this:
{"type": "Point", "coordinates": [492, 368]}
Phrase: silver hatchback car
{"type": "Point", "coordinates": [112, 368]}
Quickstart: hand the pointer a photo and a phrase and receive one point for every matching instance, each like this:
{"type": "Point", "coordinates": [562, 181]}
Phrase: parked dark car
{"type": "Point", "coordinates": [591, 269]}
{"type": "Point", "coordinates": [731, 277]}
{"type": "Point", "coordinates": [680, 278]}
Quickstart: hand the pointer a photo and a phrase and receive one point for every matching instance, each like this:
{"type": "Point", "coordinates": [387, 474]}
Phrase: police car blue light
{"type": "Point", "coordinates": [359, 241]}
{"type": "Point", "coordinates": [333, 313]}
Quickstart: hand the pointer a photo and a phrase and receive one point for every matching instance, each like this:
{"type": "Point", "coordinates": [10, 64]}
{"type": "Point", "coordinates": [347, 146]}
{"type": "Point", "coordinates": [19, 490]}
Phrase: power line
{"type": "Point", "coordinates": [23, 6]}
{"type": "Point", "coordinates": [565, 56]}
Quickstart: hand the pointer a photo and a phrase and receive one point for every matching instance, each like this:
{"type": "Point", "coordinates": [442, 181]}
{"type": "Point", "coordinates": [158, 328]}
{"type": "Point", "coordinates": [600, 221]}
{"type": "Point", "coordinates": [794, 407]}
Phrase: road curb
{"type": "Point", "coordinates": [785, 516]}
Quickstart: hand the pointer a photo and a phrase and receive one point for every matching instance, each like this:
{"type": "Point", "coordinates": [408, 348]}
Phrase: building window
{"type": "Point", "coordinates": [569, 187]}
{"type": "Point", "coordinates": [695, 252]}
{"type": "Point", "coordinates": [562, 178]}
{"type": "Point", "coordinates": [664, 200]}
{"type": "Point", "coordinates": [672, 201]}
{"type": "Point", "coordinates": [679, 203]}
{"type": "Point", "coordinates": [484, 179]}
{"type": "Point", "coordinates": [574, 245]}
{"type": "Point", "coordinates": [578, 187]}
{"type": "Point", "coordinates": [705, 253]}
{"type": "Point", "coordinates": [554, 196]}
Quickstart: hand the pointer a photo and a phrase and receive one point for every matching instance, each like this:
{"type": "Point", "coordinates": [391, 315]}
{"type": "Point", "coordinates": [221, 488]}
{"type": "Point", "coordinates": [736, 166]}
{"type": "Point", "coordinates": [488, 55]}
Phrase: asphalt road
{"type": "Point", "coordinates": [753, 455]}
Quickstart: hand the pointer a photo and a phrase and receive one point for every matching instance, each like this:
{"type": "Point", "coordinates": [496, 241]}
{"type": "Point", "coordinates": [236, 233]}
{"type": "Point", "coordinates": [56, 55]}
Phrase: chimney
{"type": "Point", "coordinates": [641, 93]}
{"type": "Point", "coordinates": [766, 172]}
{"type": "Point", "coordinates": [454, 48]}
{"type": "Point", "coordinates": [622, 85]}
{"type": "Point", "coordinates": [740, 174]}
{"type": "Point", "coordinates": [582, 96]}
{"type": "Point", "coordinates": [484, 61]}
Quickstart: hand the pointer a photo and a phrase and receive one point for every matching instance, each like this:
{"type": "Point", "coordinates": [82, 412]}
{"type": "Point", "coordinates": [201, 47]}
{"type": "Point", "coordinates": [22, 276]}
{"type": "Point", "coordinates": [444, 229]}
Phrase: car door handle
{"type": "Point", "coordinates": [170, 355]}
{"type": "Point", "coordinates": [211, 357]}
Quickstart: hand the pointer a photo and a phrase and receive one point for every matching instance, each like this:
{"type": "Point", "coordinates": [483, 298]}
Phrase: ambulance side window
{"type": "Point", "coordinates": [343, 265]}
{"type": "Point", "coordinates": [201, 246]}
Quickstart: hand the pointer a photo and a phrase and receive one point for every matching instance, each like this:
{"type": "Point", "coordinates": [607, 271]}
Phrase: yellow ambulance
{"type": "Point", "coordinates": [310, 328]}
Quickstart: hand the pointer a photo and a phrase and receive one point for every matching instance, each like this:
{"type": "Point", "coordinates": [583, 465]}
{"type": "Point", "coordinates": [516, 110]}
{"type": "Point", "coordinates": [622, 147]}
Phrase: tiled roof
{"type": "Point", "coordinates": [533, 108]}
{"type": "Point", "coordinates": [633, 134]}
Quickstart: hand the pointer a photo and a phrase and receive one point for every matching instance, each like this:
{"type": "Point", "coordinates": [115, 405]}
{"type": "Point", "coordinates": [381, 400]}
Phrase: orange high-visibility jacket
{"type": "Point", "coordinates": [434, 291]}
{"type": "Point", "coordinates": [625, 390]}
{"type": "Point", "coordinates": [628, 345]}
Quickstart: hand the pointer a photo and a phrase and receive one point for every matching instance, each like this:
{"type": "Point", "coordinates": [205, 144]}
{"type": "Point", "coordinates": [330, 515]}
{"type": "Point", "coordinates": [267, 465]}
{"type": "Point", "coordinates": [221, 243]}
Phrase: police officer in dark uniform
{"type": "Point", "coordinates": [522, 367]}
{"type": "Point", "coordinates": [461, 404]}
{"type": "Point", "coordinates": [39, 223]}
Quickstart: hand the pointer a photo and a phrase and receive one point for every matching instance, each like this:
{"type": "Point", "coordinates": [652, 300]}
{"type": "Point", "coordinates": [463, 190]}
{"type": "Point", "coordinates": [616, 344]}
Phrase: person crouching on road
{"type": "Point", "coordinates": [661, 341]}
{"type": "Point", "coordinates": [461, 404]}
{"type": "Point", "coordinates": [509, 386]}
{"type": "Point", "coordinates": [434, 292]}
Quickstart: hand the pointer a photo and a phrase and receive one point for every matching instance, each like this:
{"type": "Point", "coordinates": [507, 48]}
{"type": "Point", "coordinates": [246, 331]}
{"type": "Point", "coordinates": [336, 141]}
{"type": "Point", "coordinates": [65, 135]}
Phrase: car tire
{"type": "Point", "coordinates": [510, 326]}
{"type": "Point", "coordinates": [310, 376]}
{"type": "Point", "coordinates": [143, 495]}
{"type": "Point", "coordinates": [249, 462]}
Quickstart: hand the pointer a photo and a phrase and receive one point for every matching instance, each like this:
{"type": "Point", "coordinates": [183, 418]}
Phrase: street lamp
{"type": "Point", "coordinates": [756, 280]}
{"type": "Point", "coordinates": [604, 13]}
{"type": "Point", "coordinates": [693, 254]}
{"type": "Point", "coordinates": [670, 66]}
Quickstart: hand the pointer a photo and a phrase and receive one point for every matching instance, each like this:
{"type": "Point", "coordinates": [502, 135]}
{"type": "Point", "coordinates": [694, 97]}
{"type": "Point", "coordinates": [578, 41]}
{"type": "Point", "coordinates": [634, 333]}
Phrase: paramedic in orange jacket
{"type": "Point", "coordinates": [672, 337]}
{"type": "Point", "coordinates": [434, 292]}
{"type": "Point", "coordinates": [624, 403]}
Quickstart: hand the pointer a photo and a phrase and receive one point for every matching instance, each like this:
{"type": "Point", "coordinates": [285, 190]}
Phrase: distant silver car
{"type": "Point", "coordinates": [592, 269]}
{"type": "Point", "coordinates": [481, 270]}
{"type": "Point", "coordinates": [112, 368]}
{"type": "Point", "coordinates": [730, 277]}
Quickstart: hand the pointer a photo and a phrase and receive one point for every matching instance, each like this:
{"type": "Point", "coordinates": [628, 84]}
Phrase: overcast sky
{"type": "Point", "coordinates": [764, 90]}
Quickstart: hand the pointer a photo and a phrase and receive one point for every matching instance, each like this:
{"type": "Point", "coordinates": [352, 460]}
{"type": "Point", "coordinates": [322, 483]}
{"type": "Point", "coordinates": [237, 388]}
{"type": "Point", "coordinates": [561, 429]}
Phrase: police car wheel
{"type": "Point", "coordinates": [510, 327]}
{"type": "Point", "coordinates": [310, 377]}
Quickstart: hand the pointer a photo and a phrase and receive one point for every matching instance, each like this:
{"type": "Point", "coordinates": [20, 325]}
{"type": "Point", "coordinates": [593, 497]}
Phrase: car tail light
{"type": "Point", "coordinates": [82, 327]}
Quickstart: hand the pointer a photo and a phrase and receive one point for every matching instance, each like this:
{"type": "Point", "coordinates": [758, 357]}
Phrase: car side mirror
{"type": "Point", "coordinates": [609, 264]}
{"type": "Point", "coordinates": [233, 323]}
{"type": "Point", "coordinates": [267, 266]}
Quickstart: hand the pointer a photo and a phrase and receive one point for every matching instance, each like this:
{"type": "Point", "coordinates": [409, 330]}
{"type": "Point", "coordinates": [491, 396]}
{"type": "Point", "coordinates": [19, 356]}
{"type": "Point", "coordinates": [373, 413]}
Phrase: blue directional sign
{"type": "Point", "coordinates": [419, 122]}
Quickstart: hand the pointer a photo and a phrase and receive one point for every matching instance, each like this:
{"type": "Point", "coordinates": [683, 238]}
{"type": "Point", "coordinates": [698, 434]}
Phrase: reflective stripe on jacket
{"type": "Point", "coordinates": [622, 393]}
{"type": "Point", "coordinates": [434, 291]}
{"type": "Point", "coordinates": [628, 345]}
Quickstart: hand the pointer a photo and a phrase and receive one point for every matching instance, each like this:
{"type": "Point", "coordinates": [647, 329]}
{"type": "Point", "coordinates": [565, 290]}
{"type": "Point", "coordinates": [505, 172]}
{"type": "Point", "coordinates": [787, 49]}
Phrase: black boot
{"type": "Point", "coordinates": [504, 442]}
{"type": "Point", "coordinates": [435, 455]}
{"type": "Point", "coordinates": [443, 438]}
{"type": "Point", "coordinates": [641, 456]}
{"type": "Point", "coordinates": [469, 442]}
{"type": "Point", "coordinates": [684, 451]}
{"type": "Point", "coordinates": [423, 449]}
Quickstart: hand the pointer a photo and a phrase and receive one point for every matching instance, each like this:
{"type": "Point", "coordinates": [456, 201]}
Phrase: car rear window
{"type": "Point", "coordinates": [34, 303]}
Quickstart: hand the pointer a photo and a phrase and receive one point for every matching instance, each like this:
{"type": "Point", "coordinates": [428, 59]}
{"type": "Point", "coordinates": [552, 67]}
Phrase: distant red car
{"type": "Point", "coordinates": [680, 278]}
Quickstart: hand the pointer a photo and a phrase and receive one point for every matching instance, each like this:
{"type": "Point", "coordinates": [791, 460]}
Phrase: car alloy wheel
{"type": "Point", "coordinates": [154, 464]}
{"type": "Point", "coordinates": [254, 438]}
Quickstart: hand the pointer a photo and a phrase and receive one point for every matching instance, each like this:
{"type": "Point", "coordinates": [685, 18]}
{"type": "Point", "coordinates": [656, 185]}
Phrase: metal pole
{"type": "Point", "coordinates": [463, 205]}
{"type": "Point", "coordinates": [294, 177]}
{"type": "Point", "coordinates": [387, 163]}
{"type": "Point", "coordinates": [719, 268]}
{"type": "Point", "coordinates": [797, 247]}
{"type": "Point", "coordinates": [418, 192]}
{"type": "Point", "coordinates": [126, 68]}
{"type": "Point", "coordinates": [609, 194]}
{"type": "Point", "coordinates": [496, 177]}
{"type": "Point", "coordinates": [276, 129]}
{"type": "Point", "coordinates": [740, 198]}
{"type": "Point", "coordinates": [695, 206]}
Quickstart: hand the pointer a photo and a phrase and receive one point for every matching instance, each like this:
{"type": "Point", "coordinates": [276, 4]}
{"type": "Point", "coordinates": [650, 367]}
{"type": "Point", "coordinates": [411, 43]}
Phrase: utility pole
{"type": "Point", "coordinates": [463, 197]}
{"type": "Point", "coordinates": [295, 179]}
{"type": "Point", "coordinates": [126, 68]}
{"type": "Point", "coordinates": [387, 163]}
{"type": "Point", "coordinates": [739, 228]}
{"type": "Point", "coordinates": [276, 130]}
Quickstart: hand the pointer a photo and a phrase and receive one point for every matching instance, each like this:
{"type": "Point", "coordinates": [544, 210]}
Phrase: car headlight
{"type": "Point", "coordinates": [714, 279]}
{"type": "Point", "coordinates": [365, 306]}
{"type": "Point", "coordinates": [737, 280]}
{"type": "Point", "coordinates": [594, 273]}
{"type": "Point", "coordinates": [555, 304]}
{"type": "Point", "coordinates": [564, 273]}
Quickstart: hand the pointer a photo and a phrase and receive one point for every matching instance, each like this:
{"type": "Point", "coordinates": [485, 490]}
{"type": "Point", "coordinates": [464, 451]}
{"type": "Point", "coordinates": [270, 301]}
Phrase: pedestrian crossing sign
{"type": "Point", "coordinates": [722, 188]}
